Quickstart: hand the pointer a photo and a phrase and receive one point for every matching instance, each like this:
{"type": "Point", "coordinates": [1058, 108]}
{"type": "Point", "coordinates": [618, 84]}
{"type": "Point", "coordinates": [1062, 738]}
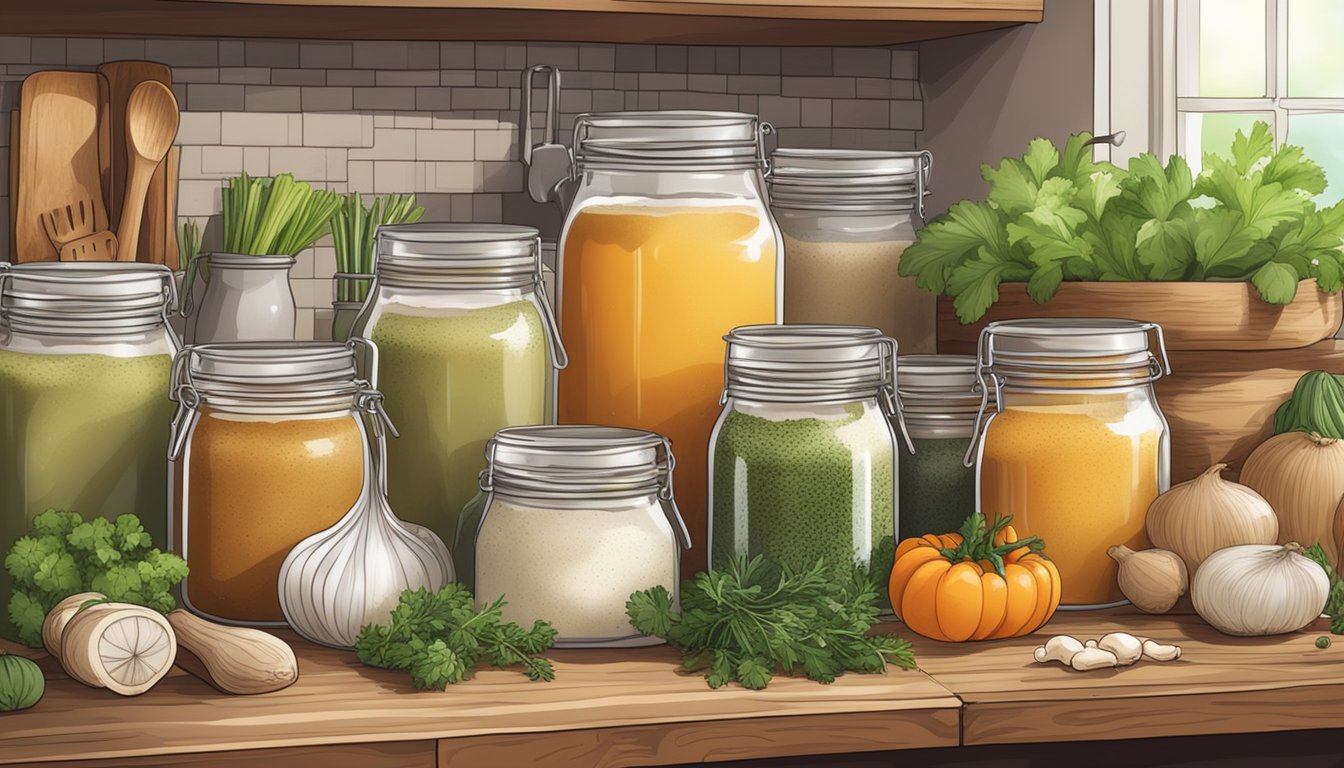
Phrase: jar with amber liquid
{"type": "Point", "coordinates": [1077, 447]}
{"type": "Point", "coordinates": [667, 246]}
{"type": "Point", "coordinates": [268, 448]}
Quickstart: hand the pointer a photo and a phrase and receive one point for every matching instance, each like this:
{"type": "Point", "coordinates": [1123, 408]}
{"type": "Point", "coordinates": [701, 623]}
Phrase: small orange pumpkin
{"type": "Point", "coordinates": [979, 584]}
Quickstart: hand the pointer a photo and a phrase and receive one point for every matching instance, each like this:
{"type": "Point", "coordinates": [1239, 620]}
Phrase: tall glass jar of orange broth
{"type": "Point", "coordinates": [667, 246]}
{"type": "Point", "coordinates": [269, 447]}
{"type": "Point", "coordinates": [1077, 447]}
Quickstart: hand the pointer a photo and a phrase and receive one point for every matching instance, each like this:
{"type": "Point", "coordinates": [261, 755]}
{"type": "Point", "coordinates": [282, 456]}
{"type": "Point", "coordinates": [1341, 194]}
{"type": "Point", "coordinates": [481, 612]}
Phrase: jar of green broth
{"type": "Point", "coordinates": [85, 359]}
{"type": "Point", "coordinates": [466, 345]}
{"type": "Point", "coordinates": [940, 398]}
{"type": "Point", "coordinates": [802, 460]}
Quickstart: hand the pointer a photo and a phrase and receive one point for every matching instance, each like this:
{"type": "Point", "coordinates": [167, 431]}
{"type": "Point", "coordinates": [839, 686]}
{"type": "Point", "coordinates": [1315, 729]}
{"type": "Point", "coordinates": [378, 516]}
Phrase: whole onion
{"type": "Point", "coordinates": [1260, 589]}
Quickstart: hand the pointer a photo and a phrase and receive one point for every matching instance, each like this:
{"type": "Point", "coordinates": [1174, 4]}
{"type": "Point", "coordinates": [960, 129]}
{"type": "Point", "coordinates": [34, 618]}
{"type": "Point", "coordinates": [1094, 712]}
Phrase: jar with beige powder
{"type": "Point", "coordinates": [847, 216]}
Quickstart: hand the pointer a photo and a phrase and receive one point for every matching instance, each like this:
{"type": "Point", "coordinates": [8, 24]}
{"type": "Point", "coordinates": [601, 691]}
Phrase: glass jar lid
{"type": "Point", "coordinates": [1056, 346]}
{"type": "Point", "coordinates": [849, 179]}
{"type": "Point", "coordinates": [670, 139]}
{"type": "Point", "coordinates": [94, 298]}
{"type": "Point", "coordinates": [808, 363]}
{"type": "Point", "coordinates": [457, 253]}
{"type": "Point", "coordinates": [582, 461]}
{"type": "Point", "coordinates": [939, 388]}
{"type": "Point", "coordinates": [271, 366]}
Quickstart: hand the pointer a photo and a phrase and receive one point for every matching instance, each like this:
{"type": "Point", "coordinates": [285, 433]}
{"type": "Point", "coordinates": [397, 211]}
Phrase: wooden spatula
{"type": "Point", "coordinates": [69, 222]}
{"type": "Point", "coordinates": [100, 246]}
{"type": "Point", "coordinates": [151, 125]}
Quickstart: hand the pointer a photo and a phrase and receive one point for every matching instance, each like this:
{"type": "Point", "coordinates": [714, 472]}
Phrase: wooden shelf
{"type": "Point", "coordinates": [631, 707]}
{"type": "Point", "coordinates": [746, 22]}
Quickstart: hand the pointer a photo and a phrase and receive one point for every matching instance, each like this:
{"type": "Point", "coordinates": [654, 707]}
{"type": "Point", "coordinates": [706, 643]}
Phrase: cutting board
{"type": "Point", "coordinates": [62, 109]}
{"type": "Point", "coordinates": [13, 183]}
{"type": "Point", "coordinates": [156, 226]}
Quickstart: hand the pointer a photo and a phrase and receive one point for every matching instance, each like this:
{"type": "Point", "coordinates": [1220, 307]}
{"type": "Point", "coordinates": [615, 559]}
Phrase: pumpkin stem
{"type": "Point", "coordinates": [977, 543]}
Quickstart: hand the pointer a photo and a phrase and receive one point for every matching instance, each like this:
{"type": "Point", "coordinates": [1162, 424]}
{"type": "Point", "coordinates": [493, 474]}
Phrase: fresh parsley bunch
{"type": "Point", "coordinates": [63, 554]}
{"type": "Point", "coordinates": [754, 619]}
{"type": "Point", "coordinates": [1051, 217]}
{"type": "Point", "coordinates": [440, 638]}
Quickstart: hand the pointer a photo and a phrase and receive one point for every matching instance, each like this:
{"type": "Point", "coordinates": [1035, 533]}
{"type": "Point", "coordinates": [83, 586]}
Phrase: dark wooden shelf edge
{"type": "Point", "coordinates": [169, 18]}
{"type": "Point", "coordinates": [709, 742]}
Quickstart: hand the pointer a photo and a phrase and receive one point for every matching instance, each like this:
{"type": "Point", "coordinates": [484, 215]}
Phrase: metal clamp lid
{"type": "Point", "coordinates": [1076, 364]}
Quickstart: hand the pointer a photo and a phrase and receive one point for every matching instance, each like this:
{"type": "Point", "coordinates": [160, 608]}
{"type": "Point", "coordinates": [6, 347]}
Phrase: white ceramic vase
{"type": "Point", "coordinates": [248, 298]}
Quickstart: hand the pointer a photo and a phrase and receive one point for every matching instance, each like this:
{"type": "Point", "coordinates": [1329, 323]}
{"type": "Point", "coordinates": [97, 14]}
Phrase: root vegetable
{"type": "Point", "coordinates": [118, 646]}
{"type": "Point", "coordinates": [235, 660]}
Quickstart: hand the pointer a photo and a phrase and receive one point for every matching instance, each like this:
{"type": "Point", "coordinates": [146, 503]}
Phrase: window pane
{"type": "Point", "coordinates": [1315, 56]}
{"type": "Point", "coordinates": [1212, 132]}
{"type": "Point", "coordinates": [1318, 135]}
{"type": "Point", "coordinates": [1231, 48]}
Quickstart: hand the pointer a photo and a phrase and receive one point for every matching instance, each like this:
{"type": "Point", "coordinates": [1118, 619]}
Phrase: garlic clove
{"type": "Point", "coordinates": [1155, 651]}
{"type": "Point", "coordinates": [1059, 648]}
{"type": "Point", "coordinates": [1153, 579]}
{"type": "Point", "coordinates": [1126, 647]}
{"type": "Point", "coordinates": [1093, 658]}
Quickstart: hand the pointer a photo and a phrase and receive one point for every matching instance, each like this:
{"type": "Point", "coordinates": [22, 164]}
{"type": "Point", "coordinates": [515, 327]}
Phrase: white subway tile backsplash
{"type": "Point", "coordinates": [338, 130]}
{"type": "Point", "coordinates": [440, 118]}
{"type": "Point", "coordinates": [259, 129]}
{"type": "Point", "coordinates": [220, 160]}
{"type": "Point", "coordinates": [306, 163]}
{"type": "Point", "coordinates": [199, 128]}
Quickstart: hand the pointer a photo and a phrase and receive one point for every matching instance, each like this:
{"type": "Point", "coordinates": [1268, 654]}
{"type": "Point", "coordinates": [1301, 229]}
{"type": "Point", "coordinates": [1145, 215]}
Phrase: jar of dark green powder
{"type": "Point", "coordinates": [802, 460]}
{"type": "Point", "coordinates": [940, 399]}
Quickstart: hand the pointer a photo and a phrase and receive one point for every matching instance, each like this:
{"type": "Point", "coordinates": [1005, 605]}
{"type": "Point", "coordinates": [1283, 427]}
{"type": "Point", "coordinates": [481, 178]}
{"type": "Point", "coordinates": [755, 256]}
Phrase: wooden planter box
{"type": "Point", "coordinates": [1204, 316]}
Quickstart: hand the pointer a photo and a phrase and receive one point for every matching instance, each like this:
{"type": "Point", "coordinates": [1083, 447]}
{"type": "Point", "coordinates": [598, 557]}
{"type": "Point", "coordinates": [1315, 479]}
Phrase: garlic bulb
{"type": "Point", "coordinates": [1201, 516]}
{"type": "Point", "coordinates": [1260, 589]}
{"type": "Point", "coordinates": [1153, 579]}
{"type": "Point", "coordinates": [1301, 475]}
{"type": "Point", "coordinates": [336, 581]}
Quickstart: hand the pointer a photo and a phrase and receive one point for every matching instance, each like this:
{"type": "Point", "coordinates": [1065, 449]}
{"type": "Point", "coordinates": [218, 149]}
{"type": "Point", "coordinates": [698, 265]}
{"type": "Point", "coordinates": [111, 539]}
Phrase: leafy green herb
{"type": "Point", "coordinates": [1316, 405]}
{"type": "Point", "coordinates": [63, 554]}
{"type": "Point", "coordinates": [274, 215]}
{"type": "Point", "coordinates": [353, 228]}
{"type": "Point", "coordinates": [1334, 604]}
{"type": "Point", "coordinates": [441, 637]}
{"type": "Point", "coordinates": [754, 619]}
{"type": "Point", "coordinates": [1051, 217]}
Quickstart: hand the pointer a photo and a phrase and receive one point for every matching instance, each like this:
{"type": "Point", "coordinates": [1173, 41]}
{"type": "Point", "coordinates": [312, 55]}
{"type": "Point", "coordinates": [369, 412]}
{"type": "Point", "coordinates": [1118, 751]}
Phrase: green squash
{"type": "Point", "coordinates": [21, 683]}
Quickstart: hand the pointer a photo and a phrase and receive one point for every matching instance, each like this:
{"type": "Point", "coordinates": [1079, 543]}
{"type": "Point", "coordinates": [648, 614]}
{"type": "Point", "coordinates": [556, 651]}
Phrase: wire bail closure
{"type": "Point", "coordinates": [1158, 365]}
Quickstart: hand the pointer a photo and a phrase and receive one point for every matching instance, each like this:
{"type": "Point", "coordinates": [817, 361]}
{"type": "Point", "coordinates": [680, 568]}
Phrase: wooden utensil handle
{"type": "Point", "coordinates": [132, 209]}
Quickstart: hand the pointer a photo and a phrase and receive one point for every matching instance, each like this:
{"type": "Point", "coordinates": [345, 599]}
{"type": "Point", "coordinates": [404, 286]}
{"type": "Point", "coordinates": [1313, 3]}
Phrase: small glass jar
{"type": "Point", "coordinates": [1077, 447]}
{"type": "Point", "coordinates": [268, 448]}
{"type": "Point", "coordinates": [466, 345]}
{"type": "Point", "coordinates": [85, 355]}
{"type": "Point", "coordinates": [573, 519]}
{"type": "Point", "coordinates": [667, 246]}
{"type": "Point", "coordinates": [940, 400]}
{"type": "Point", "coordinates": [802, 459]}
{"type": "Point", "coordinates": [247, 298]}
{"type": "Point", "coordinates": [847, 215]}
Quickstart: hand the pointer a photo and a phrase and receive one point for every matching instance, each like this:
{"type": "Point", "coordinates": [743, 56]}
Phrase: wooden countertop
{"type": "Point", "coordinates": [631, 707]}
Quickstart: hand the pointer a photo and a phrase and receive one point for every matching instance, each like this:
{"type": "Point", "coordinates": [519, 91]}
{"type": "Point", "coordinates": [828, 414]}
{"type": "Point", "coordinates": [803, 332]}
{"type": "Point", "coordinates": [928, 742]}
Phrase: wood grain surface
{"type": "Point", "coordinates": [1192, 315]}
{"type": "Point", "coordinates": [1221, 684]}
{"type": "Point", "coordinates": [337, 700]}
{"type": "Point", "coordinates": [753, 738]}
{"type": "Point", "coordinates": [655, 24]}
{"type": "Point", "coordinates": [1220, 405]}
{"type": "Point", "coordinates": [63, 167]}
{"type": "Point", "coordinates": [400, 754]}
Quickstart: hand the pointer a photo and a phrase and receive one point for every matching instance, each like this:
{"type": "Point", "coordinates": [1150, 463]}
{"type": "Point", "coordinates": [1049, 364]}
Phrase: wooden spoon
{"type": "Point", "coordinates": [151, 125]}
